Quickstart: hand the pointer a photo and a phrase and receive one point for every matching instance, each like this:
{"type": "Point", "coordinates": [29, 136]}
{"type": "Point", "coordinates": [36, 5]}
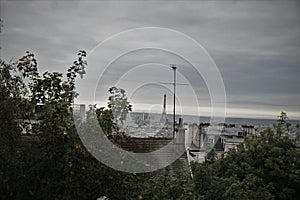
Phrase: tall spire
{"type": "Point", "coordinates": [165, 101]}
{"type": "Point", "coordinates": [164, 113]}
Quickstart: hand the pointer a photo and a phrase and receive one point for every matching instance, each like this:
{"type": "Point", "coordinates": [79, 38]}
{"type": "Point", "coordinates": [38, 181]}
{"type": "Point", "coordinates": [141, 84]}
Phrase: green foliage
{"type": "Point", "coordinates": [118, 104]}
{"type": "Point", "coordinates": [14, 109]}
{"type": "Point", "coordinates": [106, 120]}
{"type": "Point", "coordinates": [159, 185]}
{"type": "Point", "coordinates": [211, 156]}
{"type": "Point", "coordinates": [56, 165]}
{"type": "Point", "coordinates": [282, 118]}
{"type": "Point", "coordinates": [282, 121]}
{"type": "Point", "coordinates": [264, 167]}
{"type": "Point", "coordinates": [118, 108]}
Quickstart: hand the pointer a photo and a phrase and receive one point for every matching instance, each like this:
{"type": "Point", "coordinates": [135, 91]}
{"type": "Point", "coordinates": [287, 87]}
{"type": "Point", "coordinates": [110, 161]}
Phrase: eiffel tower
{"type": "Point", "coordinates": [163, 118]}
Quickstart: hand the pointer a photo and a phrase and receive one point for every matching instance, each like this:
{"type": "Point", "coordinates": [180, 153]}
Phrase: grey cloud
{"type": "Point", "coordinates": [255, 44]}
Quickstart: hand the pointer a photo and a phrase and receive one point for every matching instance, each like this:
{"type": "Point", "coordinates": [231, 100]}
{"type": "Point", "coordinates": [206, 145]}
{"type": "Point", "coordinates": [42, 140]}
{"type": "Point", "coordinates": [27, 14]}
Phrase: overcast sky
{"type": "Point", "coordinates": [254, 44]}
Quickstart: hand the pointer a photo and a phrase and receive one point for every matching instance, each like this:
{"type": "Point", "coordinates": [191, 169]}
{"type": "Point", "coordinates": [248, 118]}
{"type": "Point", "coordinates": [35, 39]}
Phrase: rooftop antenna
{"type": "Point", "coordinates": [174, 99]}
{"type": "Point", "coordinates": [173, 66]}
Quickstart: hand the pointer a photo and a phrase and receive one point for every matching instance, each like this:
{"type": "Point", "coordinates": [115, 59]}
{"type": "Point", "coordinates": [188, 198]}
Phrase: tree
{"type": "Point", "coordinates": [211, 156]}
{"type": "Point", "coordinates": [57, 165]}
{"type": "Point", "coordinates": [298, 132]}
{"type": "Point", "coordinates": [118, 104]}
{"type": "Point", "coordinates": [264, 167]}
{"type": "Point", "coordinates": [11, 88]}
{"type": "Point", "coordinates": [282, 118]}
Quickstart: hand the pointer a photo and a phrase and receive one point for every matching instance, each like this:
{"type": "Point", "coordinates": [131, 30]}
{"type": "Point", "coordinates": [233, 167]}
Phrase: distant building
{"type": "Point", "coordinates": [80, 111]}
{"type": "Point", "coordinates": [222, 137]}
{"type": "Point", "coordinates": [28, 124]}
